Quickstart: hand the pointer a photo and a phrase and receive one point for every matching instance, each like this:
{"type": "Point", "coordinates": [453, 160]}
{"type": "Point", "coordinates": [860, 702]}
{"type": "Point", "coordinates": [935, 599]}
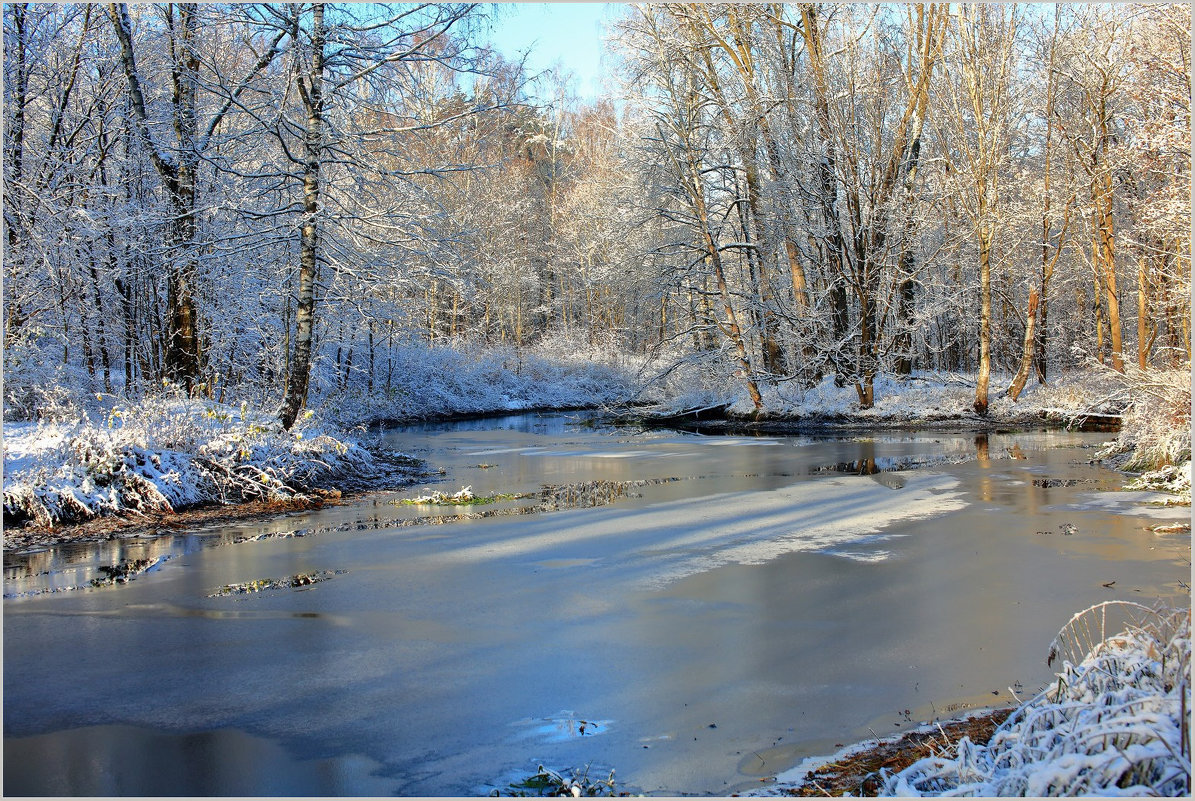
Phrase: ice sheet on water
{"type": "Point", "coordinates": [673, 539]}
{"type": "Point", "coordinates": [1131, 502]}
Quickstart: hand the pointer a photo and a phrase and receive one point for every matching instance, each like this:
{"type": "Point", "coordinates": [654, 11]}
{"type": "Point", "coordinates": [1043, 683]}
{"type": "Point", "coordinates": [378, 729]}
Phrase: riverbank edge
{"type": "Point", "coordinates": [399, 471]}
{"type": "Point", "coordinates": [717, 420]}
{"type": "Point", "coordinates": [855, 769]}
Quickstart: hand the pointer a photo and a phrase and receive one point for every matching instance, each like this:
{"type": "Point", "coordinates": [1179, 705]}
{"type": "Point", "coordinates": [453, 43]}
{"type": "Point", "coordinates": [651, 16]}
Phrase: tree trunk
{"type": "Point", "coordinates": [932, 42]}
{"type": "Point", "coordinates": [14, 316]}
{"type": "Point", "coordinates": [1018, 383]}
{"type": "Point", "coordinates": [746, 145]}
{"type": "Point", "coordinates": [985, 322]}
{"type": "Point", "coordinates": [182, 357]}
{"type": "Point", "coordinates": [1098, 308]}
{"type": "Point", "coordinates": [1144, 336]}
{"type": "Point", "coordinates": [833, 242]}
{"type": "Point", "coordinates": [1105, 244]}
{"type": "Point", "coordinates": [733, 330]}
{"type": "Point", "coordinates": [1047, 264]}
{"type": "Point", "coordinates": [1107, 274]}
{"type": "Point", "coordinates": [299, 374]}
{"type": "Point", "coordinates": [904, 339]}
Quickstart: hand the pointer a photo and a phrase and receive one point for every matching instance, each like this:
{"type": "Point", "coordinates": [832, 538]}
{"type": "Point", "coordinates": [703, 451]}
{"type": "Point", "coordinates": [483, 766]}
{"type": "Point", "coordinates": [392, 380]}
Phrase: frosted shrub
{"type": "Point", "coordinates": [93, 472]}
{"type": "Point", "coordinates": [37, 386]}
{"type": "Point", "coordinates": [171, 452]}
{"type": "Point", "coordinates": [1116, 723]}
{"type": "Point", "coordinates": [1157, 424]}
{"type": "Point", "coordinates": [696, 381]}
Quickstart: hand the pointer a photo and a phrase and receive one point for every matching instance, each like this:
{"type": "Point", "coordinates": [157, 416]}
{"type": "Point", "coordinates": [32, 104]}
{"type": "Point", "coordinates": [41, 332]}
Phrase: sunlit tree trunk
{"type": "Point", "coordinates": [1018, 382]}
{"type": "Point", "coordinates": [981, 89]}
{"type": "Point", "coordinates": [1145, 333]}
{"type": "Point", "coordinates": [1105, 262]}
{"type": "Point", "coordinates": [310, 88]}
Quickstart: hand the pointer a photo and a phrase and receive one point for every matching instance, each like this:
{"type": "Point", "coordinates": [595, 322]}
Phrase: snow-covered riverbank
{"type": "Point", "coordinates": [1115, 723]}
{"type": "Point", "coordinates": [925, 397]}
{"type": "Point", "coordinates": [169, 453]}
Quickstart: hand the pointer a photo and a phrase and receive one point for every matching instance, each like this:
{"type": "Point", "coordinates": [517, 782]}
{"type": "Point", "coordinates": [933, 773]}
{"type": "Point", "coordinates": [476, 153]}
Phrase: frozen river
{"type": "Point", "coordinates": [745, 603]}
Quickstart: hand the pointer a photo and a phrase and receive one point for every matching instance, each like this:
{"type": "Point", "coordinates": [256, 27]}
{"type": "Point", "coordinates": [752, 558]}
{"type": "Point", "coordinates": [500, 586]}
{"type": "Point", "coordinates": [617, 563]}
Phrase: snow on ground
{"type": "Point", "coordinates": [427, 383]}
{"type": "Point", "coordinates": [936, 395]}
{"type": "Point", "coordinates": [166, 453]}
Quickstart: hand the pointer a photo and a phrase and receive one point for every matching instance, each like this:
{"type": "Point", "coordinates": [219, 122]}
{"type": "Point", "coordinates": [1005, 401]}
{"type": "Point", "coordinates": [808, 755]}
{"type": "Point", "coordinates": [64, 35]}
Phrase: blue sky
{"type": "Point", "coordinates": [566, 33]}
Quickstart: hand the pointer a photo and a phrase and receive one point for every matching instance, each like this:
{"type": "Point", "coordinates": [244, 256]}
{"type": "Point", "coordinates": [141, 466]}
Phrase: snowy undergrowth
{"type": "Point", "coordinates": [166, 453]}
{"type": "Point", "coordinates": [675, 382]}
{"type": "Point", "coordinates": [420, 382]}
{"type": "Point", "coordinates": [937, 395]}
{"type": "Point", "coordinates": [1155, 440]}
{"type": "Point", "coordinates": [1115, 723]}
{"type": "Point", "coordinates": [1157, 424]}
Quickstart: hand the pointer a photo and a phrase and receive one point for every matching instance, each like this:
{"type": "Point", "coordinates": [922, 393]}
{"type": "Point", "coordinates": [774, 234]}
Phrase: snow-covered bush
{"type": "Point", "coordinates": [1116, 723]}
{"type": "Point", "coordinates": [168, 452]}
{"type": "Point", "coordinates": [1171, 478]}
{"type": "Point", "coordinates": [38, 386]}
{"type": "Point", "coordinates": [1157, 424]}
{"type": "Point", "coordinates": [681, 382]}
{"type": "Point", "coordinates": [427, 382]}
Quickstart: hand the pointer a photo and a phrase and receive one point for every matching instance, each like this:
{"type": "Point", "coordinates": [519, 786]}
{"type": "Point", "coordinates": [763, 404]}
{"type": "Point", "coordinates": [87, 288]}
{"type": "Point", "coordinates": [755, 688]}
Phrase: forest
{"type": "Point", "coordinates": [302, 206]}
{"type": "Point", "coordinates": [258, 259]}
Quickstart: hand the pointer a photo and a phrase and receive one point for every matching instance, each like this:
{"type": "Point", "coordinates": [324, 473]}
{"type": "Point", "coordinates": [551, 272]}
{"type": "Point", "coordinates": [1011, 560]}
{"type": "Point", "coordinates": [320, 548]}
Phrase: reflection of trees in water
{"type": "Point", "coordinates": [877, 464]}
{"type": "Point", "coordinates": [981, 449]}
{"type": "Point", "coordinates": [32, 564]}
{"type": "Point", "coordinates": [75, 564]}
{"type": "Point", "coordinates": [985, 461]}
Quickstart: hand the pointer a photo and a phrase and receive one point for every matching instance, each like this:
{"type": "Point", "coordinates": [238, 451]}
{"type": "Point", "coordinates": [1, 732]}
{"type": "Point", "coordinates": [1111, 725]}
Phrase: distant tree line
{"type": "Point", "coordinates": [269, 199]}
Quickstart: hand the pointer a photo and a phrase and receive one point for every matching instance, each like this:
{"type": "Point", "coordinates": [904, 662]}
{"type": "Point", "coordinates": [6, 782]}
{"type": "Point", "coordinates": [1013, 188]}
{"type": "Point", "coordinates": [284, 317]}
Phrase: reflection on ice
{"type": "Point", "coordinates": [564, 725]}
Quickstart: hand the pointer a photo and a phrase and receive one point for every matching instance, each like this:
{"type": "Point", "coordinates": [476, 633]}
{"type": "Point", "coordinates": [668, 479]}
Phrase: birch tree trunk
{"type": "Point", "coordinates": [310, 88]}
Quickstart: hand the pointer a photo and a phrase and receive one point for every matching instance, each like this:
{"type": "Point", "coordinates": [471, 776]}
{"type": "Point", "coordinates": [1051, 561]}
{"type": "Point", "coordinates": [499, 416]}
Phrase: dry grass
{"type": "Point", "coordinates": [858, 774]}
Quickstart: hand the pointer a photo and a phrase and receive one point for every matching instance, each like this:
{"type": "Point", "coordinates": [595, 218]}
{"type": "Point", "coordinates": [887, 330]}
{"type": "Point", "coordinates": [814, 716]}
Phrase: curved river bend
{"type": "Point", "coordinates": [734, 605]}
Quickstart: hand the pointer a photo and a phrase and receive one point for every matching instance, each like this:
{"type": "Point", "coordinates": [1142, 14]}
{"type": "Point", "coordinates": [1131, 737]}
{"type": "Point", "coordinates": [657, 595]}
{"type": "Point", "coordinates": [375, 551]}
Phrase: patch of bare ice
{"type": "Point", "coordinates": [491, 451]}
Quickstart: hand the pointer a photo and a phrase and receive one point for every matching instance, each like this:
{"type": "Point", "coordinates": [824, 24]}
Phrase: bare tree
{"type": "Point", "coordinates": [363, 50]}
{"type": "Point", "coordinates": [982, 105]}
{"type": "Point", "coordinates": [177, 162]}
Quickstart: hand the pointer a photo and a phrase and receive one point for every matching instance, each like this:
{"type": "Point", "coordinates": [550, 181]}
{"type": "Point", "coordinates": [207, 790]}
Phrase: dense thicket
{"type": "Point", "coordinates": [277, 200]}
